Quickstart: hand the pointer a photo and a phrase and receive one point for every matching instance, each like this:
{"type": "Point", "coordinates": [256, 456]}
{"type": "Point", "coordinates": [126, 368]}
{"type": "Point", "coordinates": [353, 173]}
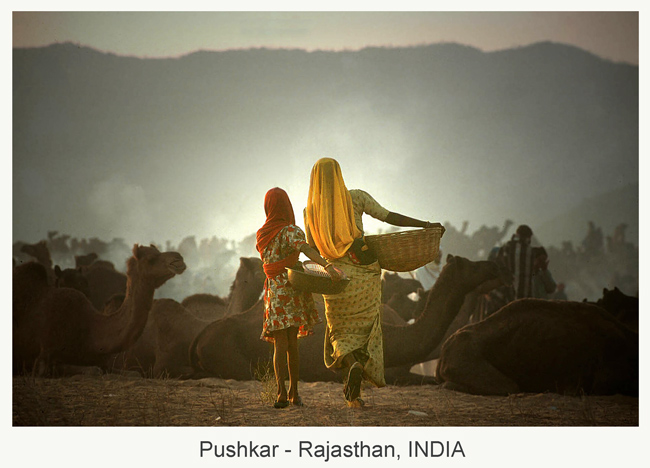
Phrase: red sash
{"type": "Point", "coordinates": [277, 268]}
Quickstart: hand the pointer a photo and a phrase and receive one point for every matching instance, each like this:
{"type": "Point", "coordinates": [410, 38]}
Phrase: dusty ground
{"type": "Point", "coordinates": [112, 400]}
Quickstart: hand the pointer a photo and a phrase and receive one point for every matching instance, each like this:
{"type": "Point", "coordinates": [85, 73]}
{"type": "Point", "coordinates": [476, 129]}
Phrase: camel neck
{"type": "Point", "coordinates": [418, 339]}
{"type": "Point", "coordinates": [118, 331]}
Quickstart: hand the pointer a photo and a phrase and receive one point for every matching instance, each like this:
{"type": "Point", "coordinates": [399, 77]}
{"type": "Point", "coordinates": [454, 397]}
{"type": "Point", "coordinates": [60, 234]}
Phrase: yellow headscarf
{"type": "Point", "coordinates": [329, 214]}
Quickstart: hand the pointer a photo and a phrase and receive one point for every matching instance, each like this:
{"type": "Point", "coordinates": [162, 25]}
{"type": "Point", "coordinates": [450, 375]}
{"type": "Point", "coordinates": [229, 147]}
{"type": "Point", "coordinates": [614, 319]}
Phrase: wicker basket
{"type": "Point", "coordinates": [315, 279]}
{"type": "Point", "coordinates": [406, 250]}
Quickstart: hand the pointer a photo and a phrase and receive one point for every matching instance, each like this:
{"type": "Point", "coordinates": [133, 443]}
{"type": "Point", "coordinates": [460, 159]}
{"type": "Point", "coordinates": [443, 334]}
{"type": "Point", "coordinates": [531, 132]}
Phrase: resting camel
{"type": "Point", "coordinates": [85, 260]}
{"type": "Point", "coordinates": [41, 254]}
{"type": "Point", "coordinates": [104, 281]}
{"type": "Point", "coordinates": [31, 284]}
{"type": "Point", "coordinates": [206, 306]}
{"type": "Point", "coordinates": [620, 305]}
{"type": "Point", "coordinates": [231, 347]}
{"type": "Point", "coordinates": [395, 292]}
{"type": "Point", "coordinates": [71, 278]}
{"type": "Point", "coordinates": [63, 328]}
{"type": "Point", "coordinates": [245, 290]}
{"type": "Point", "coordinates": [534, 345]}
{"type": "Point", "coordinates": [161, 350]}
{"type": "Point", "coordinates": [428, 366]}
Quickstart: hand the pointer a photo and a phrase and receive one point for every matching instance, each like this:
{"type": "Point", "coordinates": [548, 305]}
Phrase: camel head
{"type": "Point", "coordinates": [248, 284]}
{"type": "Point", "coordinates": [150, 263]}
{"type": "Point", "coordinates": [614, 300]}
{"type": "Point", "coordinates": [482, 276]}
{"type": "Point", "coordinates": [39, 251]}
{"type": "Point", "coordinates": [250, 273]}
{"type": "Point", "coordinates": [254, 265]}
{"type": "Point", "coordinates": [393, 283]}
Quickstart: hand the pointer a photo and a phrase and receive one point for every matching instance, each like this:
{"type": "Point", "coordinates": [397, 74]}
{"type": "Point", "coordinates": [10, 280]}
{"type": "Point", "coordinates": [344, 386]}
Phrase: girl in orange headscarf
{"type": "Point", "coordinates": [288, 313]}
{"type": "Point", "coordinates": [353, 336]}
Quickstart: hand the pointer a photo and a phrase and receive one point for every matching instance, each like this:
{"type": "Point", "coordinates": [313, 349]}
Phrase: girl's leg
{"type": "Point", "coordinates": [294, 365]}
{"type": "Point", "coordinates": [280, 348]}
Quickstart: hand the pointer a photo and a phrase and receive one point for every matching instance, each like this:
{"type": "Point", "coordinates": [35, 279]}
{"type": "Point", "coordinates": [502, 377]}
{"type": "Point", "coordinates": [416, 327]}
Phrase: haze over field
{"type": "Point", "coordinates": [160, 149]}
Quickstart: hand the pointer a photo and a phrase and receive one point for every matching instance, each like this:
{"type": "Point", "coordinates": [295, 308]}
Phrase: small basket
{"type": "Point", "coordinates": [406, 250]}
{"type": "Point", "coordinates": [315, 279]}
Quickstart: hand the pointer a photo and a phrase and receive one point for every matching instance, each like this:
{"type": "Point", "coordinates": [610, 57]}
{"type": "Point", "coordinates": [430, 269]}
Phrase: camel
{"type": "Point", "coordinates": [231, 347]}
{"type": "Point", "coordinates": [41, 254]}
{"type": "Point", "coordinates": [174, 328]}
{"type": "Point", "coordinates": [248, 285]}
{"type": "Point", "coordinates": [85, 260]}
{"type": "Point", "coordinates": [63, 327]}
{"type": "Point", "coordinates": [71, 278]}
{"type": "Point", "coordinates": [103, 282]}
{"type": "Point", "coordinates": [206, 306]}
{"type": "Point", "coordinates": [245, 290]}
{"type": "Point", "coordinates": [393, 283]}
{"type": "Point", "coordinates": [535, 345]}
{"type": "Point", "coordinates": [395, 292]}
{"type": "Point", "coordinates": [464, 316]}
{"type": "Point", "coordinates": [161, 350]}
{"type": "Point", "coordinates": [620, 305]}
{"type": "Point", "coordinates": [31, 284]}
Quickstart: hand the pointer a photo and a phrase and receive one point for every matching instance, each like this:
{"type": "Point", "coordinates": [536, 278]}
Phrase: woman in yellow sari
{"type": "Point", "coordinates": [353, 336]}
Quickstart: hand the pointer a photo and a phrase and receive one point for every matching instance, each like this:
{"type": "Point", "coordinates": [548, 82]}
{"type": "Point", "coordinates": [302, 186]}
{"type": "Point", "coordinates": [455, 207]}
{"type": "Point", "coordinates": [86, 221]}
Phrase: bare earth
{"type": "Point", "coordinates": [114, 400]}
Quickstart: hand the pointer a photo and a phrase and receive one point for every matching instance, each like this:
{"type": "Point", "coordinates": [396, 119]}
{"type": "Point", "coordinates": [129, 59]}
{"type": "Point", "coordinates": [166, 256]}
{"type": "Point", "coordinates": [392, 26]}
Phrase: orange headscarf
{"type": "Point", "coordinates": [279, 213]}
{"type": "Point", "coordinates": [329, 213]}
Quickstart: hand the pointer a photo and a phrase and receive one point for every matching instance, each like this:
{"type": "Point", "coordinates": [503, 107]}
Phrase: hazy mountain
{"type": "Point", "coordinates": [148, 149]}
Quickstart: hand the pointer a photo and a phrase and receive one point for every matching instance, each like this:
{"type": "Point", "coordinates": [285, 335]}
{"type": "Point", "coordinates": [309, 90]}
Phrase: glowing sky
{"type": "Point", "coordinates": [612, 35]}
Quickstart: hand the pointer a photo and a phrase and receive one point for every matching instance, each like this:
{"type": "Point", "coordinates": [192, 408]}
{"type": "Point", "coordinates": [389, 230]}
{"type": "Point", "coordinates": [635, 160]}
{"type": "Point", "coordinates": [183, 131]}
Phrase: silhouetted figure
{"type": "Point", "coordinates": [517, 256]}
{"type": "Point", "coordinates": [593, 242]}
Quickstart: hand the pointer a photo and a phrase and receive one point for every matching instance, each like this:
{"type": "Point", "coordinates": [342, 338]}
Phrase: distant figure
{"type": "Point", "coordinates": [593, 241]}
{"type": "Point", "coordinates": [560, 293]}
{"type": "Point", "coordinates": [543, 283]}
{"type": "Point", "coordinates": [492, 301]}
{"type": "Point", "coordinates": [517, 256]}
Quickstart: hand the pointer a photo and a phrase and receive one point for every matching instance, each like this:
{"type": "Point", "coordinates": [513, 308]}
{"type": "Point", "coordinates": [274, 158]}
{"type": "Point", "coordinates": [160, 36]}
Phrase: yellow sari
{"type": "Point", "coordinates": [353, 316]}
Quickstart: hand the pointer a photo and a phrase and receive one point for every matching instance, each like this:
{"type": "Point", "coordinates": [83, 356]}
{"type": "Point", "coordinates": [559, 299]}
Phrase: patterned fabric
{"type": "Point", "coordinates": [362, 203]}
{"type": "Point", "coordinates": [284, 306]}
{"type": "Point", "coordinates": [518, 257]}
{"type": "Point", "coordinates": [354, 321]}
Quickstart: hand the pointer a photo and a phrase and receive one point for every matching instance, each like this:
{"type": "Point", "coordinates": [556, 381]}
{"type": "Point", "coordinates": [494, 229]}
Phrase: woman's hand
{"type": "Point", "coordinates": [333, 272]}
{"type": "Point", "coordinates": [438, 225]}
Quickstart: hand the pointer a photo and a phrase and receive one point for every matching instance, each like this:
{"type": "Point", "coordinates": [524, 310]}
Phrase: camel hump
{"type": "Point", "coordinates": [203, 298]}
{"type": "Point", "coordinates": [33, 270]}
{"type": "Point", "coordinates": [85, 260]}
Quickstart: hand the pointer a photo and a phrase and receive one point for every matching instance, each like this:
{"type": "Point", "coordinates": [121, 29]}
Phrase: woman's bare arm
{"type": "Point", "coordinates": [313, 254]}
{"type": "Point", "coordinates": [397, 219]}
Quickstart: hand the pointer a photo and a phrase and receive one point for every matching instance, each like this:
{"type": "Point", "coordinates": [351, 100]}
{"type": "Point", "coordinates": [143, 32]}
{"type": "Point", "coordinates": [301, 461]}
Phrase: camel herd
{"type": "Point", "coordinates": [94, 317]}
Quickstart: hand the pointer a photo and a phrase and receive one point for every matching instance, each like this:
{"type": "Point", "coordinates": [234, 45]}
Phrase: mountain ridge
{"type": "Point", "coordinates": [504, 134]}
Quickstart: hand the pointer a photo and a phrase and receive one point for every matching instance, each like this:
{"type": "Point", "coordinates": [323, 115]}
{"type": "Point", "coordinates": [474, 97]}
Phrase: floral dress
{"type": "Point", "coordinates": [285, 306]}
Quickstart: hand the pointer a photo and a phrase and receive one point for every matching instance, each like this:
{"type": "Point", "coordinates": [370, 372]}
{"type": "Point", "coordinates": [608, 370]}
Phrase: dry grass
{"type": "Point", "coordinates": [113, 400]}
